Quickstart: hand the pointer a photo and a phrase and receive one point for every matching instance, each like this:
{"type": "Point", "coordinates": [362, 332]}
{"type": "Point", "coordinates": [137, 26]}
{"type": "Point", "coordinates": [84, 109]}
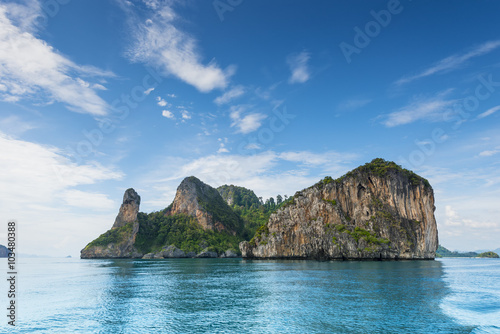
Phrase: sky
{"type": "Point", "coordinates": [98, 96]}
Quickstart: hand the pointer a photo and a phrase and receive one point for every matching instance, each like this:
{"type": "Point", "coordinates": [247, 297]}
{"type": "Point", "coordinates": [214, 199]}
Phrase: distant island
{"type": "Point", "coordinates": [377, 211]}
{"type": "Point", "coordinates": [444, 252]}
{"type": "Point", "coordinates": [4, 251]}
{"type": "Point", "coordinates": [492, 255]}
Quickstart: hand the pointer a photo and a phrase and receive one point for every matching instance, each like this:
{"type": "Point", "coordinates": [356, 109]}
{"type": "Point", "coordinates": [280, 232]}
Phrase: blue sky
{"type": "Point", "coordinates": [98, 96]}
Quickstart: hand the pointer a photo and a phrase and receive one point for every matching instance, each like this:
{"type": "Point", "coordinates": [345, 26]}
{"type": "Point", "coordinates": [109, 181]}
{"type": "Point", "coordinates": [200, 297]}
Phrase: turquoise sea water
{"type": "Point", "coordinates": [240, 296]}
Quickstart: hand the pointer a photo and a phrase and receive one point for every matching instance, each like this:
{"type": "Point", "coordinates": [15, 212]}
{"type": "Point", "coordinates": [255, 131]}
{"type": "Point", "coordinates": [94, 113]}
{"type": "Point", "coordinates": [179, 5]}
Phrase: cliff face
{"type": "Point", "coordinates": [384, 213]}
{"type": "Point", "coordinates": [119, 241]}
{"type": "Point", "coordinates": [128, 209]}
{"type": "Point", "coordinates": [197, 207]}
{"type": "Point", "coordinates": [203, 202]}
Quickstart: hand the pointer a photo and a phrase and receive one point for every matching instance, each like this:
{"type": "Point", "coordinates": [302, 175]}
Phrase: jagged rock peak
{"type": "Point", "coordinates": [118, 242]}
{"type": "Point", "coordinates": [199, 200]}
{"type": "Point", "coordinates": [128, 209]}
{"type": "Point", "coordinates": [131, 196]}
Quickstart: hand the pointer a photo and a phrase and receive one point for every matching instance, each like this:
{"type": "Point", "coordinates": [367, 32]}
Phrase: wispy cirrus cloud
{"type": "Point", "coordinates": [230, 95]}
{"type": "Point", "coordinates": [489, 153]}
{"type": "Point", "coordinates": [159, 43]}
{"type": "Point", "coordinates": [429, 109]}
{"type": "Point", "coordinates": [32, 69]}
{"type": "Point", "coordinates": [13, 125]}
{"type": "Point", "coordinates": [488, 112]}
{"type": "Point", "coordinates": [299, 67]}
{"type": "Point", "coordinates": [452, 62]}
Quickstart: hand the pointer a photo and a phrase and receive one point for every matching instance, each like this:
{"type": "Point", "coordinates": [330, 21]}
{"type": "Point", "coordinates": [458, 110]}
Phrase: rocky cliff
{"type": "Point", "coordinates": [129, 208]}
{"type": "Point", "coordinates": [377, 211]}
{"type": "Point", "coordinates": [198, 223]}
{"type": "Point", "coordinates": [197, 199]}
{"type": "Point", "coordinates": [119, 241]}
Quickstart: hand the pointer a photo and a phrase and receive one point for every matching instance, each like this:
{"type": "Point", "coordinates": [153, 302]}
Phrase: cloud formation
{"type": "Point", "coordinates": [488, 112]}
{"type": "Point", "coordinates": [32, 69]}
{"type": "Point", "coordinates": [159, 43]}
{"type": "Point", "coordinates": [452, 62]}
{"type": "Point", "coordinates": [167, 114]}
{"type": "Point", "coordinates": [41, 191]}
{"type": "Point", "coordinates": [429, 109]}
{"type": "Point", "coordinates": [230, 95]}
{"type": "Point", "coordinates": [260, 172]}
{"type": "Point", "coordinates": [298, 67]}
{"type": "Point", "coordinates": [245, 123]}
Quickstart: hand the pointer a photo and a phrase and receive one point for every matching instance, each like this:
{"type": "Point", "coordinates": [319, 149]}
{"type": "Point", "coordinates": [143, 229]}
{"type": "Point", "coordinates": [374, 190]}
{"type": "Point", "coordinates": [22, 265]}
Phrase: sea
{"type": "Point", "coordinates": [451, 295]}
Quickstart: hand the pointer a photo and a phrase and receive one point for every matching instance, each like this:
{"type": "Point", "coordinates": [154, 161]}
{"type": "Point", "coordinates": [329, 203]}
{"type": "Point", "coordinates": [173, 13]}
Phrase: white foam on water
{"type": "Point", "coordinates": [474, 298]}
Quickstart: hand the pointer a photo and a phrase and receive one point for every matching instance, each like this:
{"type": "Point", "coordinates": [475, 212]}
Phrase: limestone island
{"type": "Point", "coordinates": [378, 211]}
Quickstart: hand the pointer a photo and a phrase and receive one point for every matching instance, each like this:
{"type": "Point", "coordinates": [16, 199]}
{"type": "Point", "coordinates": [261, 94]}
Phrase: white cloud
{"type": "Point", "coordinates": [148, 91]}
{"type": "Point", "coordinates": [88, 200]}
{"type": "Point", "coordinates": [465, 209]}
{"type": "Point", "coordinates": [429, 109]}
{"type": "Point", "coordinates": [32, 69]}
{"type": "Point", "coordinates": [161, 102]}
{"type": "Point", "coordinates": [452, 62]}
{"type": "Point", "coordinates": [230, 95]}
{"type": "Point", "coordinates": [253, 146]}
{"type": "Point", "coordinates": [172, 96]}
{"type": "Point", "coordinates": [222, 148]}
{"type": "Point", "coordinates": [248, 123]}
{"type": "Point", "coordinates": [488, 153]}
{"type": "Point", "coordinates": [488, 112]}
{"type": "Point", "coordinates": [40, 191]}
{"type": "Point", "coordinates": [452, 218]}
{"type": "Point", "coordinates": [158, 43]}
{"type": "Point", "coordinates": [13, 125]}
{"type": "Point", "coordinates": [25, 15]}
{"type": "Point", "coordinates": [267, 173]}
{"type": "Point", "coordinates": [167, 114]}
{"type": "Point", "coordinates": [185, 114]}
{"type": "Point", "coordinates": [310, 158]}
{"type": "Point", "coordinates": [298, 67]}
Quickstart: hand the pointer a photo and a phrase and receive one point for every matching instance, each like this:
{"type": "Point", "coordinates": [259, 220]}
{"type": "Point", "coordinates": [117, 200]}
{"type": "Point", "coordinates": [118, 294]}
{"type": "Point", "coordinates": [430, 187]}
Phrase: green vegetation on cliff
{"type": "Point", "coordinates": [379, 167]}
{"type": "Point", "coordinates": [239, 196]}
{"type": "Point", "coordinates": [252, 209]}
{"type": "Point", "coordinates": [113, 236]}
{"type": "Point", "coordinates": [211, 201]}
{"type": "Point", "coordinates": [157, 230]}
